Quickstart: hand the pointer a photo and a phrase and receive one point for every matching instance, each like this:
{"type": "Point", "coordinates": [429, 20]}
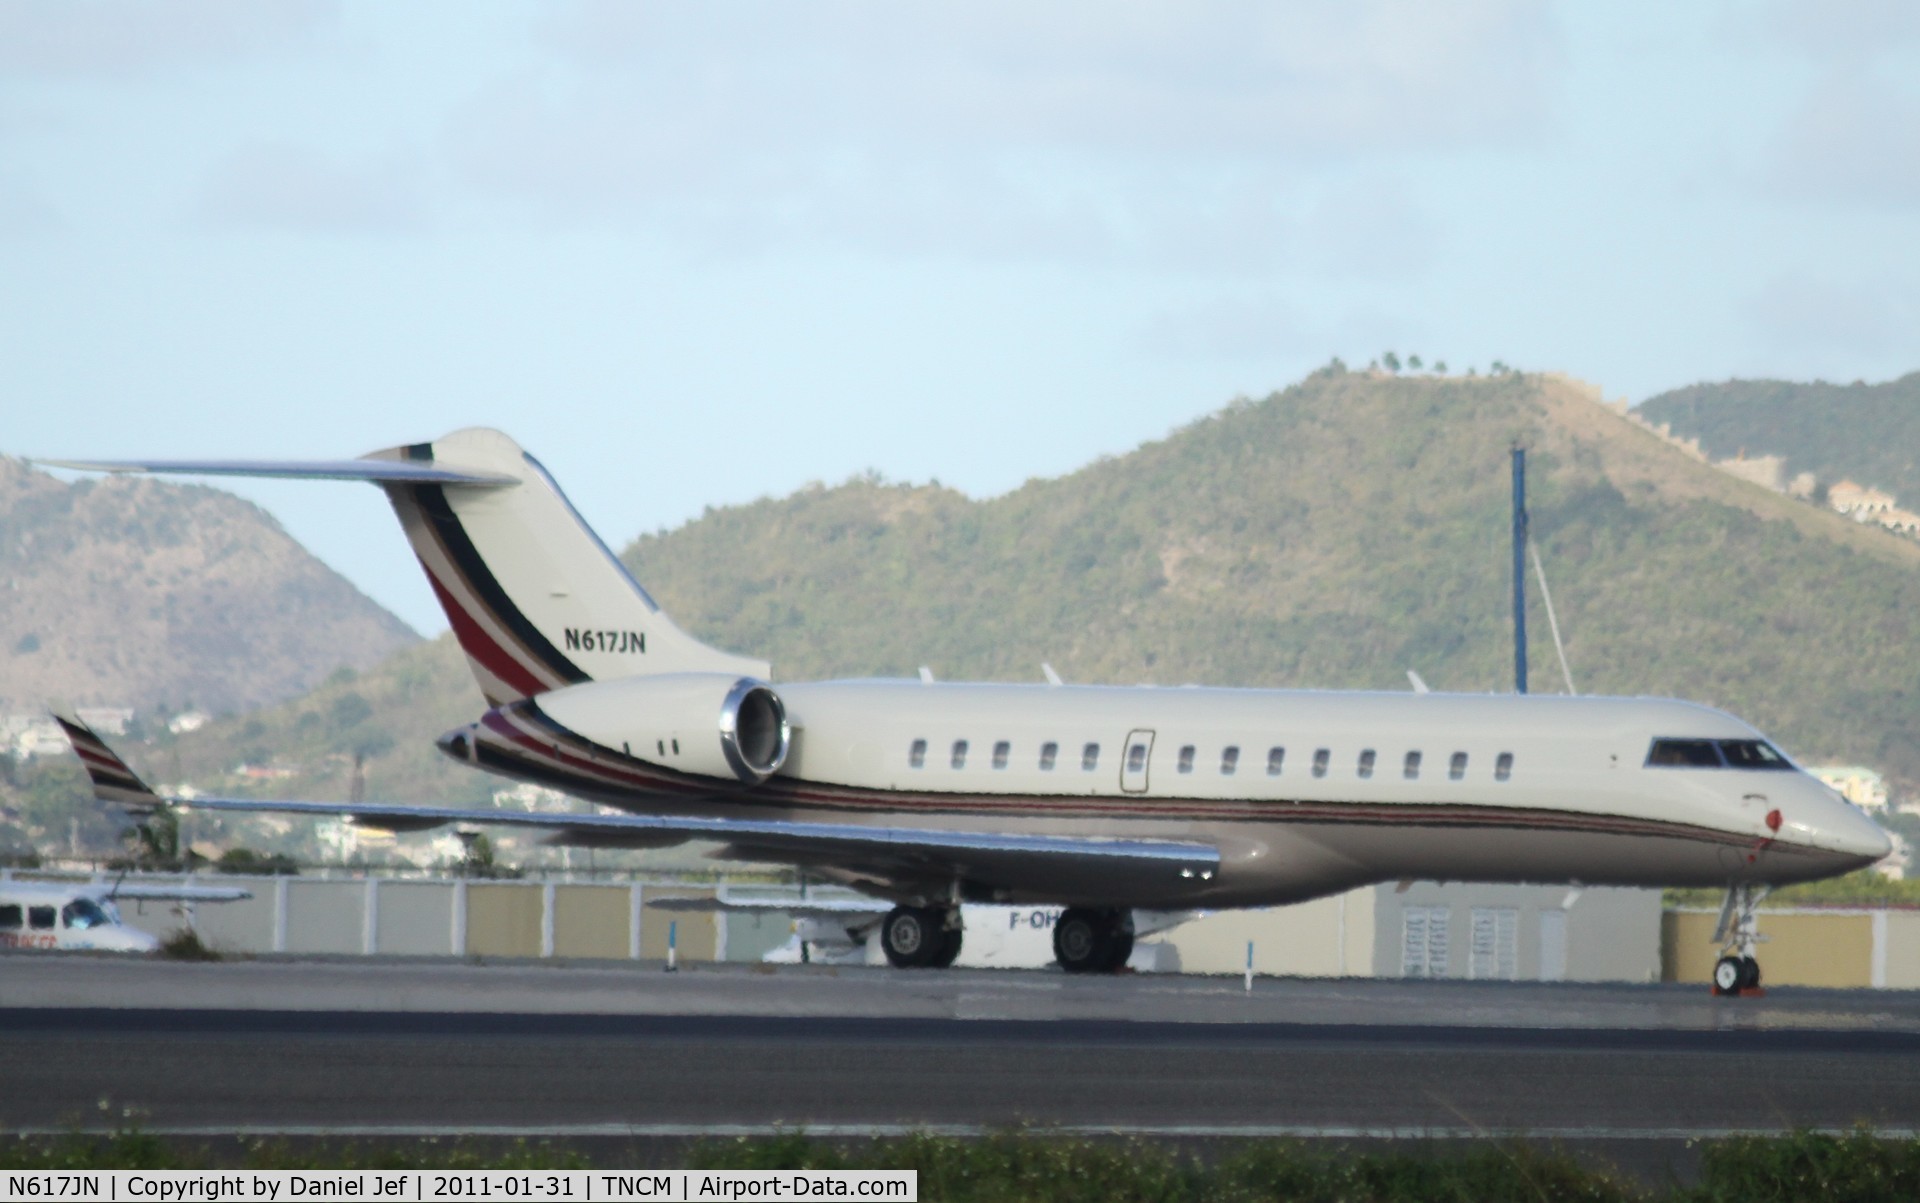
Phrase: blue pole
{"type": "Point", "coordinates": [1519, 569]}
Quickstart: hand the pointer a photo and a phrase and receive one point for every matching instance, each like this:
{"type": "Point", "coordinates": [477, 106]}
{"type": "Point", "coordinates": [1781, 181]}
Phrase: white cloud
{"type": "Point", "coordinates": [24, 212]}
{"type": "Point", "coordinates": [1829, 29]}
{"type": "Point", "coordinates": [1165, 133]}
{"type": "Point", "coordinates": [1805, 320]}
{"type": "Point", "coordinates": [1853, 138]}
{"type": "Point", "coordinates": [279, 186]}
{"type": "Point", "coordinates": [121, 38]}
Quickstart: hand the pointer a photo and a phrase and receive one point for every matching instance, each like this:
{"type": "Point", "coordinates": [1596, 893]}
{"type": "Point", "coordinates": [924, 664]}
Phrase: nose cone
{"type": "Point", "coordinates": [1843, 829]}
{"type": "Point", "coordinates": [1865, 839]}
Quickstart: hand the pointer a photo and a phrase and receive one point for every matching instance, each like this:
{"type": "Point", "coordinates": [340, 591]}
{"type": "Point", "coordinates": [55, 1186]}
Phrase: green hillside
{"type": "Point", "coordinates": [142, 593]}
{"type": "Point", "coordinates": [1869, 433]}
{"type": "Point", "coordinates": [1332, 535]}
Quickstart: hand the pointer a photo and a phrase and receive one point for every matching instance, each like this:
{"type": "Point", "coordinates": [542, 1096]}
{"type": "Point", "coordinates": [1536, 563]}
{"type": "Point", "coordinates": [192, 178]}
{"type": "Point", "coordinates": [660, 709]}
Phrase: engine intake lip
{"type": "Point", "coordinates": [754, 732]}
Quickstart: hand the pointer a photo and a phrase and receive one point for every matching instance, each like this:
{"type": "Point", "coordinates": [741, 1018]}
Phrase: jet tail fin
{"type": "Point", "coordinates": [535, 598]}
{"type": "Point", "coordinates": [112, 780]}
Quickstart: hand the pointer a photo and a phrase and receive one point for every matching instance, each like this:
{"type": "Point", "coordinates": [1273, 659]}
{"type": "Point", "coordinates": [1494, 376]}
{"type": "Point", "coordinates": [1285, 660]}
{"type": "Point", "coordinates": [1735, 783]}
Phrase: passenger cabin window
{"type": "Point", "coordinates": [1186, 759]}
{"type": "Point", "coordinates": [1001, 751]}
{"type": "Point", "coordinates": [1049, 752]}
{"type": "Point", "coordinates": [959, 754]}
{"type": "Point", "coordinates": [1503, 766]}
{"type": "Point", "coordinates": [1411, 770]}
{"type": "Point", "coordinates": [9, 917]}
{"type": "Point", "coordinates": [84, 913]}
{"type": "Point", "coordinates": [1275, 758]}
{"type": "Point", "coordinates": [917, 754]}
{"type": "Point", "coordinates": [1090, 757]}
{"type": "Point", "coordinates": [1365, 767]}
{"type": "Point", "coordinates": [1229, 761]}
{"type": "Point", "coordinates": [1137, 758]}
{"type": "Point", "coordinates": [40, 917]}
{"type": "Point", "coordinates": [1321, 758]}
{"type": "Point", "coordinates": [1457, 767]}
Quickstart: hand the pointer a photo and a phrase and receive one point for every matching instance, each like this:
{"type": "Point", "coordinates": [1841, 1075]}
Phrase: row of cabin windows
{"type": "Point", "coordinates": [81, 912]}
{"type": "Point", "coordinates": [1229, 760]}
{"type": "Point", "coordinates": [1002, 752]}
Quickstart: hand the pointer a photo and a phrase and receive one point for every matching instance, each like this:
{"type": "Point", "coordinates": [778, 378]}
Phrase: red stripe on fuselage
{"type": "Point", "coordinates": [478, 644]}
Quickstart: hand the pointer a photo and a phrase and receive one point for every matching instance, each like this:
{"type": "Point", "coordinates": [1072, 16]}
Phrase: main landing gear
{"type": "Point", "coordinates": [921, 937]}
{"type": "Point", "coordinates": [1086, 940]}
{"type": "Point", "coordinates": [1738, 934]}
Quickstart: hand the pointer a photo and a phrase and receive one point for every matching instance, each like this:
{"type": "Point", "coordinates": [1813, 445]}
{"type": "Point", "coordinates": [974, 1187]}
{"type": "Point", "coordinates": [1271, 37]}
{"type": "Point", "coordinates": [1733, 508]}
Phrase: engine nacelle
{"type": "Point", "coordinates": [710, 724]}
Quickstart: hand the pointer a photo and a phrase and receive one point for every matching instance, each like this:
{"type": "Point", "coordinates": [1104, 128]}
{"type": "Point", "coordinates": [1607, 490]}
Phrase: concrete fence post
{"type": "Point", "coordinates": [280, 891]}
{"type": "Point", "coordinates": [370, 925]}
{"type": "Point", "coordinates": [635, 909]}
{"type": "Point", "coordinates": [458, 936]}
{"type": "Point", "coordinates": [1879, 971]}
{"type": "Point", "coordinates": [546, 918]}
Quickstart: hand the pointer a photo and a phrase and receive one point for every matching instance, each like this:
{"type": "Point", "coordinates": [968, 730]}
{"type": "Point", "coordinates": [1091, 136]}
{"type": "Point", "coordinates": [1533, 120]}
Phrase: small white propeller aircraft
{"type": "Point", "coordinates": [47, 916]}
{"type": "Point", "coordinates": [1096, 799]}
{"type": "Point", "coordinates": [841, 931]}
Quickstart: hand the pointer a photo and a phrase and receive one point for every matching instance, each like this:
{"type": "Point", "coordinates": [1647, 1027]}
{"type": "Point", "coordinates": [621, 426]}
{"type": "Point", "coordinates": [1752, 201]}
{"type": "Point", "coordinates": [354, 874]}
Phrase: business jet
{"type": "Point", "coordinates": [50, 916]}
{"type": "Point", "coordinates": [1096, 799]}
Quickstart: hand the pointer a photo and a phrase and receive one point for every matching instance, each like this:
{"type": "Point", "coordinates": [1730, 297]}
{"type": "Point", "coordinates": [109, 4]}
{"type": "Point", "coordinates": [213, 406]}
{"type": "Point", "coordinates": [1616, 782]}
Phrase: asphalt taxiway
{"type": "Point", "coordinates": [395, 1048]}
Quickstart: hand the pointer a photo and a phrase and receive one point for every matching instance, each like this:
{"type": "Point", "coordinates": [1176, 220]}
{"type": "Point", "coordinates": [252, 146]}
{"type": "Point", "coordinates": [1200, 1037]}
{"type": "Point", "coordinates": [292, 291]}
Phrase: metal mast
{"type": "Point", "coordinates": [1519, 569]}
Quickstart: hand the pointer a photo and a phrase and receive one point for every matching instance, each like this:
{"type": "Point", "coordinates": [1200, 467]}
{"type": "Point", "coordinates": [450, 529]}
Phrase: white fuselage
{"type": "Point", "coordinates": [47, 917]}
{"type": "Point", "coordinates": [1305, 793]}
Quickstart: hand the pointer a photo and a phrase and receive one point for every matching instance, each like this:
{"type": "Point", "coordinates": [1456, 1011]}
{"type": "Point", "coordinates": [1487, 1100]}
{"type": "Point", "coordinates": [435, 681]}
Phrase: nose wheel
{"type": "Point", "coordinates": [1737, 972]}
{"type": "Point", "coordinates": [1087, 940]}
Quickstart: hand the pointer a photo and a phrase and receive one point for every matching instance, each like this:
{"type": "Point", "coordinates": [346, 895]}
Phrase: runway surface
{"type": "Point", "coordinates": [382, 1048]}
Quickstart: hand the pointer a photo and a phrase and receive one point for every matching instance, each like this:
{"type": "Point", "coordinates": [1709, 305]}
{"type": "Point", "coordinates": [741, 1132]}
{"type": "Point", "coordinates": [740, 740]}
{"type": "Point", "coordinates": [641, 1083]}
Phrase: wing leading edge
{"type": "Point", "coordinates": [1069, 866]}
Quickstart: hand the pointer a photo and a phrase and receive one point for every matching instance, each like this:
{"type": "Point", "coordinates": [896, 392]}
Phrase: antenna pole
{"type": "Point", "coordinates": [1519, 569]}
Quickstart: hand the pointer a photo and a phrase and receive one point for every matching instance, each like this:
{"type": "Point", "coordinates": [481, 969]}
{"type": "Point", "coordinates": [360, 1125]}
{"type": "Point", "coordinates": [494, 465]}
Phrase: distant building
{"type": "Point", "coordinates": [188, 720]}
{"type": "Point", "coordinates": [1857, 784]}
{"type": "Point", "coordinates": [1859, 502]}
{"type": "Point", "coordinates": [32, 734]}
{"type": "Point", "coordinates": [1802, 486]}
{"type": "Point", "coordinates": [106, 720]}
{"type": "Point", "coordinates": [1904, 521]}
{"type": "Point", "coordinates": [1767, 471]}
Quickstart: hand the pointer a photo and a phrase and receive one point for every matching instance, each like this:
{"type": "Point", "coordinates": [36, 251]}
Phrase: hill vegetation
{"type": "Point", "coordinates": [139, 593]}
{"type": "Point", "coordinates": [1333, 535]}
{"type": "Point", "coordinates": [1869, 433]}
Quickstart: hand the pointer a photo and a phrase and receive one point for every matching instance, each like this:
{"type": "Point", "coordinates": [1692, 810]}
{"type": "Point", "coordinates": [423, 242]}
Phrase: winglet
{"type": "Point", "coordinates": [112, 780]}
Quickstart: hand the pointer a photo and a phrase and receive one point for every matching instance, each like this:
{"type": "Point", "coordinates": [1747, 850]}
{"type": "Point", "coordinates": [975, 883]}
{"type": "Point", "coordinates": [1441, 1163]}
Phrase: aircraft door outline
{"type": "Point", "coordinates": [1134, 759]}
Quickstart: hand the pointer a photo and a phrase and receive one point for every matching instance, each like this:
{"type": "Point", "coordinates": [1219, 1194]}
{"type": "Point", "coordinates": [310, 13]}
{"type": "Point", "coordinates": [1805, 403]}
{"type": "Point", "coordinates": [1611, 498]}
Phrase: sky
{"type": "Point", "coordinates": [695, 254]}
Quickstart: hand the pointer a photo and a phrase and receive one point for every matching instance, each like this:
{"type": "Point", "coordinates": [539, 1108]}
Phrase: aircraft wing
{"type": "Point", "coordinates": [148, 892]}
{"type": "Point", "coordinates": [1049, 864]}
{"type": "Point", "coordinates": [836, 910]}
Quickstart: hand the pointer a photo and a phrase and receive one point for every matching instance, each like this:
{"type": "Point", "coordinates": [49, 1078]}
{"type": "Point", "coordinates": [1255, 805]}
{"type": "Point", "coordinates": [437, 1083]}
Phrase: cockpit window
{"type": "Point", "coordinates": [84, 912]}
{"type": "Point", "coordinates": [1752, 754]}
{"type": "Point", "coordinates": [1715, 754]}
{"type": "Point", "coordinates": [1684, 754]}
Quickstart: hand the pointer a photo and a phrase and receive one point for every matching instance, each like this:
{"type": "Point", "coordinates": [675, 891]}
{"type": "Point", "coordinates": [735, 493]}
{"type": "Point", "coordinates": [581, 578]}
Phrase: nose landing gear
{"type": "Point", "coordinates": [1737, 972]}
{"type": "Point", "coordinates": [1086, 940]}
